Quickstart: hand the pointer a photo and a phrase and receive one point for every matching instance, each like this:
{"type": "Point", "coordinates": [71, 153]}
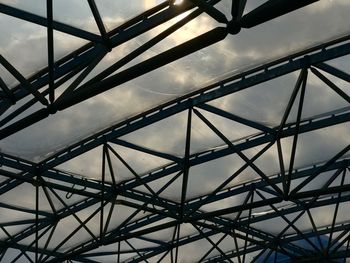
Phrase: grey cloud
{"type": "Point", "coordinates": [264, 103]}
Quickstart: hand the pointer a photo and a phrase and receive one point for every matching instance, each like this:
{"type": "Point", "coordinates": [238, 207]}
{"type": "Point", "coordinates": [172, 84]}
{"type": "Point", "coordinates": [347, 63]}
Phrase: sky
{"type": "Point", "coordinates": [25, 47]}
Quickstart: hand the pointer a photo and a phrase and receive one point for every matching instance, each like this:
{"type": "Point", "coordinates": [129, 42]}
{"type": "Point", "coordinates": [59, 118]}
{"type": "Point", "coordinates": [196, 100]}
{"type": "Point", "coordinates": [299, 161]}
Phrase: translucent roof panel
{"type": "Point", "coordinates": [235, 53]}
{"type": "Point", "coordinates": [174, 131]}
{"type": "Point", "coordinates": [28, 42]}
{"type": "Point", "coordinates": [115, 13]}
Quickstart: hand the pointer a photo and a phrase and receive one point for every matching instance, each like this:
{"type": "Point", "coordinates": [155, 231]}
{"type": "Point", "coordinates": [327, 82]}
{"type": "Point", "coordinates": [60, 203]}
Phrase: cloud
{"type": "Point", "coordinates": [263, 103]}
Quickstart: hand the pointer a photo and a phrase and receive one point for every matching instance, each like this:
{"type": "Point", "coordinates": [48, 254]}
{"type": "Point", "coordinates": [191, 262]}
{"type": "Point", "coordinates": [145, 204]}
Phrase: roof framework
{"type": "Point", "coordinates": [111, 218]}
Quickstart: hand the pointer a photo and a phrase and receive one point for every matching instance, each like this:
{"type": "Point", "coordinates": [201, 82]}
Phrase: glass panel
{"type": "Point", "coordinates": [75, 123]}
{"type": "Point", "coordinates": [115, 13]}
{"type": "Point", "coordinates": [170, 140]}
{"type": "Point", "coordinates": [9, 80]}
{"type": "Point", "coordinates": [65, 44]}
{"type": "Point", "coordinates": [320, 99]}
{"type": "Point", "coordinates": [263, 103]}
{"type": "Point", "coordinates": [204, 138]}
{"type": "Point", "coordinates": [24, 45]}
{"type": "Point", "coordinates": [31, 6]}
{"type": "Point", "coordinates": [11, 254]}
{"type": "Point", "coordinates": [206, 177]}
{"type": "Point", "coordinates": [173, 80]}
{"type": "Point", "coordinates": [76, 13]}
{"type": "Point", "coordinates": [138, 161]}
{"type": "Point", "coordinates": [311, 145]}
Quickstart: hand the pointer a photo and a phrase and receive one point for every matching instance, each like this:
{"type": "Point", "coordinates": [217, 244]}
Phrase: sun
{"type": "Point", "coordinates": [178, 2]}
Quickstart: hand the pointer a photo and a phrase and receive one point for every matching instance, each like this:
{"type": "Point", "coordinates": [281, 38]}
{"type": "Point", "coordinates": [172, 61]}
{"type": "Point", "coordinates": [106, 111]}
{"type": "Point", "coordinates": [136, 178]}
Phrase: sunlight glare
{"type": "Point", "coordinates": [178, 2]}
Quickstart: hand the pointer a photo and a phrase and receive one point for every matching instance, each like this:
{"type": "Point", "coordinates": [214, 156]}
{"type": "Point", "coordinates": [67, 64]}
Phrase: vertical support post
{"type": "Point", "coordinates": [335, 213]}
{"type": "Point", "coordinates": [102, 191]}
{"type": "Point", "coordinates": [297, 86]}
{"type": "Point", "coordinates": [36, 218]}
{"type": "Point", "coordinates": [118, 258]}
{"type": "Point", "coordinates": [177, 243]}
{"type": "Point", "coordinates": [281, 163]}
{"type": "Point", "coordinates": [173, 242]}
{"type": "Point", "coordinates": [99, 21]}
{"type": "Point", "coordinates": [295, 139]}
{"type": "Point", "coordinates": [48, 240]}
{"type": "Point", "coordinates": [186, 166]}
{"type": "Point", "coordinates": [50, 49]}
{"type": "Point", "coordinates": [236, 245]}
{"type": "Point", "coordinates": [314, 228]}
{"type": "Point", "coordinates": [249, 218]}
{"type": "Point", "coordinates": [111, 170]}
{"type": "Point", "coordinates": [347, 249]}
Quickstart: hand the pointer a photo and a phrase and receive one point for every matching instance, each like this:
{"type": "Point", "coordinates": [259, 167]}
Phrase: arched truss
{"type": "Point", "coordinates": [272, 217]}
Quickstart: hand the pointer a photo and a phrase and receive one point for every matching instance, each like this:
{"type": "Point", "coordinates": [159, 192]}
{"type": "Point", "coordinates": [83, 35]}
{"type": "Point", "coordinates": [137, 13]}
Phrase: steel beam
{"type": "Point", "coordinates": [243, 81]}
{"type": "Point", "coordinates": [119, 35]}
{"type": "Point", "coordinates": [164, 213]}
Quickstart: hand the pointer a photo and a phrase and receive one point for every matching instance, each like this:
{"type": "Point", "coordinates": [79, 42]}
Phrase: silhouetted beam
{"type": "Point", "coordinates": [22, 80]}
{"type": "Point", "coordinates": [178, 105]}
{"type": "Point", "coordinates": [210, 10]}
{"type": "Point", "coordinates": [18, 13]}
{"type": "Point", "coordinates": [50, 49]}
{"type": "Point", "coordinates": [119, 35]}
{"type": "Point", "coordinates": [270, 10]}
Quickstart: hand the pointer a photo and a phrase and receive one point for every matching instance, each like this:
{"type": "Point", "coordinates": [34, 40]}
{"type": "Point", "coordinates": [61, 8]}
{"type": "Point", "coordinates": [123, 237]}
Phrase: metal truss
{"type": "Point", "coordinates": [287, 195]}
